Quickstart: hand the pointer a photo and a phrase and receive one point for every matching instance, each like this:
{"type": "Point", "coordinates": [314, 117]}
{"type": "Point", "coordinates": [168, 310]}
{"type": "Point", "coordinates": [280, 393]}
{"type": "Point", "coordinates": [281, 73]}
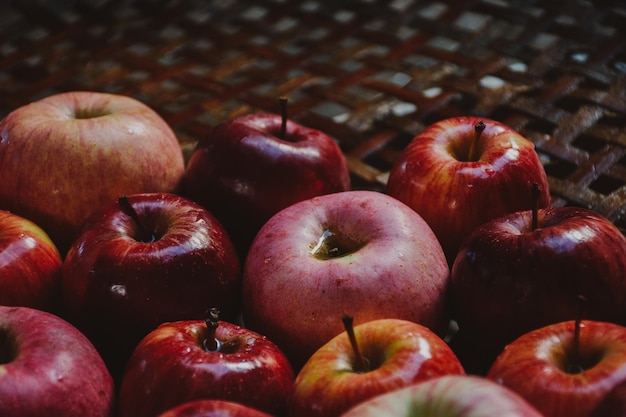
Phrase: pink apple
{"type": "Point", "coordinates": [190, 360]}
{"type": "Point", "coordinates": [245, 170]}
{"type": "Point", "coordinates": [447, 396]}
{"type": "Point", "coordinates": [65, 156]}
{"type": "Point", "coordinates": [358, 252]}
{"type": "Point", "coordinates": [49, 368]}
{"type": "Point", "coordinates": [143, 260]}
{"type": "Point", "coordinates": [379, 356]}
{"type": "Point", "coordinates": [30, 265]}
{"type": "Point", "coordinates": [213, 408]}
{"type": "Point", "coordinates": [563, 371]}
{"type": "Point", "coordinates": [461, 172]}
{"type": "Point", "coordinates": [512, 276]}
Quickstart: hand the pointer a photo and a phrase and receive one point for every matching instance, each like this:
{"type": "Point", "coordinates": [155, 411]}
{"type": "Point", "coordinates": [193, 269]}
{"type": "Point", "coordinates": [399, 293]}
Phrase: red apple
{"type": "Point", "coordinates": [190, 360]}
{"type": "Point", "coordinates": [449, 396]}
{"type": "Point", "coordinates": [461, 172]}
{"type": "Point", "coordinates": [246, 170]}
{"type": "Point", "coordinates": [373, 358]}
{"type": "Point", "coordinates": [564, 369]}
{"type": "Point", "coordinates": [512, 276]}
{"type": "Point", "coordinates": [213, 408]}
{"type": "Point", "coordinates": [30, 265]}
{"type": "Point", "coordinates": [144, 260]}
{"type": "Point", "coordinates": [65, 156]}
{"type": "Point", "coordinates": [362, 252]}
{"type": "Point", "coordinates": [48, 368]}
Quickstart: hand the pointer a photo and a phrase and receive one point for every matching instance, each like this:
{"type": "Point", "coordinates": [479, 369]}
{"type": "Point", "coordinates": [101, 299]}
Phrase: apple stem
{"type": "Point", "coordinates": [128, 209]}
{"type": "Point", "coordinates": [211, 343]}
{"type": "Point", "coordinates": [360, 364]}
{"type": "Point", "coordinates": [575, 366]}
{"type": "Point", "coordinates": [479, 127]}
{"type": "Point", "coordinates": [283, 113]}
{"type": "Point", "coordinates": [535, 191]}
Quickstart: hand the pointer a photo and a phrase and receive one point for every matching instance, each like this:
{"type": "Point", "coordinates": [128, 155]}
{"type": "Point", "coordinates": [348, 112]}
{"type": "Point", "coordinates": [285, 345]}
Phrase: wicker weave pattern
{"type": "Point", "coordinates": [371, 74]}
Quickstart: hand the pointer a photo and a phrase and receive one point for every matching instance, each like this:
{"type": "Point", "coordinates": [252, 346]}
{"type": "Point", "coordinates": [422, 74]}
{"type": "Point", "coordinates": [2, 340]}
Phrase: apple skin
{"type": "Point", "coordinates": [455, 195]}
{"type": "Point", "coordinates": [244, 173]}
{"type": "Point", "coordinates": [30, 265]}
{"type": "Point", "coordinates": [509, 279]}
{"type": "Point", "coordinates": [535, 365]}
{"type": "Point", "coordinates": [447, 396]}
{"type": "Point", "coordinates": [249, 369]}
{"type": "Point", "coordinates": [400, 353]}
{"type": "Point", "coordinates": [66, 155]}
{"type": "Point", "coordinates": [392, 266]}
{"type": "Point", "coordinates": [49, 368]}
{"type": "Point", "coordinates": [117, 287]}
{"type": "Point", "coordinates": [213, 408]}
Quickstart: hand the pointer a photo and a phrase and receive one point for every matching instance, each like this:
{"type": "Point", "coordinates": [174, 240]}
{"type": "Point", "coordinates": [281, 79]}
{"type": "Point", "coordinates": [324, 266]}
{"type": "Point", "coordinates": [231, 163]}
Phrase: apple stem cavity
{"type": "Point", "coordinates": [212, 343]}
{"type": "Point", "coordinates": [479, 127]}
{"type": "Point", "coordinates": [334, 245]}
{"type": "Point", "coordinates": [535, 193]}
{"type": "Point", "coordinates": [283, 113]}
{"type": "Point", "coordinates": [361, 364]}
{"type": "Point", "coordinates": [128, 209]}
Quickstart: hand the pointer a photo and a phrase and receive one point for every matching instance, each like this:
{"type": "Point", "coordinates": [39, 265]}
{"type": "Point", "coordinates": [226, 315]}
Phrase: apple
{"type": "Point", "coordinates": [213, 408]}
{"type": "Point", "coordinates": [460, 172]}
{"type": "Point", "coordinates": [30, 265]}
{"type": "Point", "coordinates": [189, 360]}
{"type": "Point", "coordinates": [526, 269]}
{"type": "Point", "coordinates": [143, 260]}
{"type": "Point", "coordinates": [565, 368]}
{"type": "Point", "coordinates": [49, 368]}
{"type": "Point", "coordinates": [367, 360]}
{"type": "Point", "coordinates": [250, 167]}
{"type": "Point", "coordinates": [360, 251]}
{"type": "Point", "coordinates": [64, 156]}
{"type": "Point", "coordinates": [449, 396]}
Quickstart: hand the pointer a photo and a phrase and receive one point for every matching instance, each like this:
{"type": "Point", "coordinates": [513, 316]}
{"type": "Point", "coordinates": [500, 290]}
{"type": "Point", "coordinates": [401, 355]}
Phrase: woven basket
{"type": "Point", "coordinates": [371, 74]}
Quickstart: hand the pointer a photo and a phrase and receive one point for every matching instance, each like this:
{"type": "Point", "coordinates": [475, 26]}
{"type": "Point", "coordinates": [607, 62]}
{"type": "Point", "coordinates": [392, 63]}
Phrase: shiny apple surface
{"type": "Point", "coordinates": [30, 265]}
{"type": "Point", "coordinates": [455, 192]}
{"type": "Point", "coordinates": [397, 353]}
{"type": "Point", "coordinates": [509, 278]}
{"type": "Point", "coordinates": [545, 368]}
{"type": "Point", "coordinates": [171, 366]}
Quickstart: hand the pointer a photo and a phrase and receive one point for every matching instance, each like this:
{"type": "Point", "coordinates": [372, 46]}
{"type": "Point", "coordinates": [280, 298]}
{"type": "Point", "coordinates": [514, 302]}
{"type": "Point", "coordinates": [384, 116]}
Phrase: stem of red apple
{"type": "Point", "coordinates": [575, 364]}
{"type": "Point", "coordinates": [478, 131]}
{"type": "Point", "coordinates": [360, 364]}
{"type": "Point", "coordinates": [212, 343]}
{"type": "Point", "coordinates": [128, 209]}
{"type": "Point", "coordinates": [283, 113]}
{"type": "Point", "coordinates": [535, 191]}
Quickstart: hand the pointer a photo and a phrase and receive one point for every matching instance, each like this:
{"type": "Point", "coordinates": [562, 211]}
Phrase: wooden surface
{"type": "Point", "coordinates": [371, 74]}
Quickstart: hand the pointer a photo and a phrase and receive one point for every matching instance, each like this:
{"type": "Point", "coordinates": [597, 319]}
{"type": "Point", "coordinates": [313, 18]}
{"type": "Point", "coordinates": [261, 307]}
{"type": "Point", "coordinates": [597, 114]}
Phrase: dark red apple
{"type": "Point", "coordinates": [460, 172]}
{"type": "Point", "coordinates": [248, 168]}
{"type": "Point", "coordinates": [512, 276]}
{"type": "Point", "coordinates": [144, 260]}
{"type": "Point", "coordinates": [190, 360]}
{"type": "Point", "coordinates": [30, 265]}
{"type": "Point", "coordinates": [49, 368]}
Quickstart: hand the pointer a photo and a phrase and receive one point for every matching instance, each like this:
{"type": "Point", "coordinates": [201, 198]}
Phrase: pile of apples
{"type": "Point", "coordinates": [252, 280]}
